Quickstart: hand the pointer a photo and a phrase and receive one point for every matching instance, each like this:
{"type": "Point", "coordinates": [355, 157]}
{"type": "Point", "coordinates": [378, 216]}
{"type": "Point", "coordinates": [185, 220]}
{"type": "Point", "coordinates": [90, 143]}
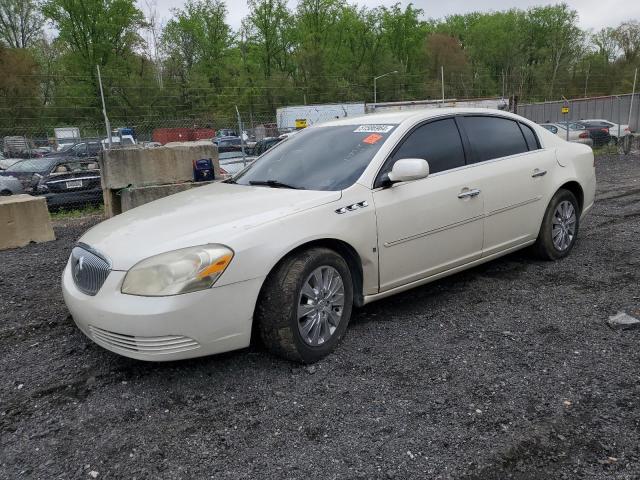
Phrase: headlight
{"type": "Point", "coordinates": [181, 271]}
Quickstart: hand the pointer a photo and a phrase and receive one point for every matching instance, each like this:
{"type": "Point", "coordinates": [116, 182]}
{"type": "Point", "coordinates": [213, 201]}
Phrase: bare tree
{"type": "Point", "coordinates": [154, 28]}
{"type": "Point", "coordinates": [20, 23]}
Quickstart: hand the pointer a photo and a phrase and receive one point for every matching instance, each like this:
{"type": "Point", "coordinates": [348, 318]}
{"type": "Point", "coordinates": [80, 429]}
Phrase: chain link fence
{"type": "Point", "coordinates": [61, 162]}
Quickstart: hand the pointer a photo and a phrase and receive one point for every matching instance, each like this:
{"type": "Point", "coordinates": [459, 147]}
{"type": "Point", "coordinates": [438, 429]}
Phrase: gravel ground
{"type": "Point", "coordinates": [508, 370]}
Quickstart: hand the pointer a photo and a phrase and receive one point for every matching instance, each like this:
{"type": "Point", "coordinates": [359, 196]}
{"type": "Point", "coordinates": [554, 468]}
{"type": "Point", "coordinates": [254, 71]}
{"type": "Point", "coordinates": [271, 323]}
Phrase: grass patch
{"type": "Point", "coordinates": [86, 211]}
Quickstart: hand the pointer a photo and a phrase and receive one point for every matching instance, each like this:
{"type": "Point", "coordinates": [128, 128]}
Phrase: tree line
{"type": "Point", "coordinates": [196, 66]}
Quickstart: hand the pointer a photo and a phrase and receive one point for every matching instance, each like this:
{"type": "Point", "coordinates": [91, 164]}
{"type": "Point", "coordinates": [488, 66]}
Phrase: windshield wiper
{"type": "Point", "coordinates": [272, 184]}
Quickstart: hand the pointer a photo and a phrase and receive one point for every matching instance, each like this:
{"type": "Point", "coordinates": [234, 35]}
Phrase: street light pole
{"type": "Point", "coordinates": [375, 90]}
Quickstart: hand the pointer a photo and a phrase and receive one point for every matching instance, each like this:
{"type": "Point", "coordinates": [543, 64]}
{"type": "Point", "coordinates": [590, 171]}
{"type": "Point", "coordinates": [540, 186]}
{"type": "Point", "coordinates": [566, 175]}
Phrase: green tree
{"type": "Point", "coordinates": [20, 23]}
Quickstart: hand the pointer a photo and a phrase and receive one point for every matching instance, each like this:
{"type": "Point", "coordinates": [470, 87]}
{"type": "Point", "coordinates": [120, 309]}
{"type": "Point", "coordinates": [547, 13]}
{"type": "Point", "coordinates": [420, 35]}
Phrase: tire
{"type": "Point", "coordinates": [277, 310]}
{"type": "Point", "coordinates": [545, 247]}
{"type": "Point", "coordinates": [5, 193]}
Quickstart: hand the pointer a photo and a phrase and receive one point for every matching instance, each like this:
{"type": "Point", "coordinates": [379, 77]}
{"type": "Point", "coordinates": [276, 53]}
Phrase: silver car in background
{"type": "Point", "coordinates": [10, 186]}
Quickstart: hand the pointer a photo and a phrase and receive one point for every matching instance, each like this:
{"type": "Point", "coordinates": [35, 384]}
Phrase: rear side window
{"type": "Point", "coordinates": [530, 137]}
{"type": "Point", "coordinates": [494, 137]}
{"type": "Point", "coordinates": [437, 142]}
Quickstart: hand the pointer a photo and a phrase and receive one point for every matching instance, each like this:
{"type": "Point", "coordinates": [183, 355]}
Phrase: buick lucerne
{"type": "Point", "coordinates": [337, 216]}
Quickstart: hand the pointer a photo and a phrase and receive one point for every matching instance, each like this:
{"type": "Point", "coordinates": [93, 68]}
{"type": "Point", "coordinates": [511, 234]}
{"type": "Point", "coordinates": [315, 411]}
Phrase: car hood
{"type": "Point", "coordinates": [215, 213]}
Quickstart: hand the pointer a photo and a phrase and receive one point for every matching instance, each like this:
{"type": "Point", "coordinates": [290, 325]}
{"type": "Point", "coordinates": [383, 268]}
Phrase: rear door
{"type": "Point", "coordinates": [514, 174]}
{"type": "Point", "coordinates": [434, 224]}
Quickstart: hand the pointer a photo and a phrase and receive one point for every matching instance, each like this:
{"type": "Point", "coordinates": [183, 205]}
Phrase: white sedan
{"type": "Point", "coordinates": [577, 133]}
{"type": "Point", "coordinates": [339, 215]}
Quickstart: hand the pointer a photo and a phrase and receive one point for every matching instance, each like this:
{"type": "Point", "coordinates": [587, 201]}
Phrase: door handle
{"type": "Point", "coordinates": [469, 193]}
{"type": "Point", "coordinates": [538, 173]}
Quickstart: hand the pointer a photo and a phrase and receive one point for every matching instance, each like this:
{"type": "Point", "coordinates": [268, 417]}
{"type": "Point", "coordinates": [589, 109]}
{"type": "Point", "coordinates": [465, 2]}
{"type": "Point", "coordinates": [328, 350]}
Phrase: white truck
{"type": "Point", "coordinates": [303, 116]}
{"type": "Point", "coordinates": [66, 136]}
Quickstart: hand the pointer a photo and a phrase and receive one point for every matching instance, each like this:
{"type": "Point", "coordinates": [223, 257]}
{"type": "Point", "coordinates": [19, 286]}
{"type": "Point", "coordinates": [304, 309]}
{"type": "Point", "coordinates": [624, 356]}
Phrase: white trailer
{"type": "Point", "coordinates": [67, 136]}
{"type": "Point", "coordinates": [306, 115]}
{"type": "Point", "coordinates": [495, 103]}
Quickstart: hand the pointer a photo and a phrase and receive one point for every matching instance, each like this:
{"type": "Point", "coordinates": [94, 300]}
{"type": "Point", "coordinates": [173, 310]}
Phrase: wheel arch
{"type": "Point", "coordinates": [574, 187]}
{"type": "Point", "coordinates": [342, 248]}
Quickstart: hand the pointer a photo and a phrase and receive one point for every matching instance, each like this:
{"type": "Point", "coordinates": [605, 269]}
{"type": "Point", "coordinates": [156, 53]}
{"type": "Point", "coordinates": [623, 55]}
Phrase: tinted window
{"type": "Point", "coordinates": [437, 142]}
{"type": "Point", "coordinates": [530, 137]}
{"type": "Point", "coordinates": [493, 137]}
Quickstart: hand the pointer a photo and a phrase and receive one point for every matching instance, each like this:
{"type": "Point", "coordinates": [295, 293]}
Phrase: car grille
{"type": "Point", "coordinates": [149, 345]}
{"type": "Point", "coordinates": [89, 270]}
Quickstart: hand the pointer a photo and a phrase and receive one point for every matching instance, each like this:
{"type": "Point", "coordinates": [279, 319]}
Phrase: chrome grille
{"type": "Point", "coordinates": [88, 269]}
{"type": "Point", "coordinates": [148, 345]}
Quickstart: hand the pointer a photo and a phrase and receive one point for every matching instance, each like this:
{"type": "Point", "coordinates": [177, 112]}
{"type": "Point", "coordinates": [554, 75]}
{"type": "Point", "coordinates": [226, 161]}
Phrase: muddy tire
{"type": "Point", "coordinates": [305, 305]}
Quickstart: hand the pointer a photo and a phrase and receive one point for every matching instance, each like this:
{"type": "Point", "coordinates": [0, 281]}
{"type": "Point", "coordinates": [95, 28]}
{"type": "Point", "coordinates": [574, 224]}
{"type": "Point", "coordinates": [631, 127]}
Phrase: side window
{"type": "Point", "coordinates": [94, 148]}
{"type": "Point", "coordinates": [530, 136]}
{"type": "Point", "coordinates": [494, 137]}
{"type": "Point", "coordinates": [80, 148]}
{"type": "Point", "coordinates": [437, 142]}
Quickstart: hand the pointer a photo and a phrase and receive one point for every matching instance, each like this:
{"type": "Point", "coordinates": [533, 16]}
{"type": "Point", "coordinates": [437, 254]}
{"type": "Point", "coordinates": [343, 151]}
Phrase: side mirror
{"type": "Point", "coordinates": [408, 169]}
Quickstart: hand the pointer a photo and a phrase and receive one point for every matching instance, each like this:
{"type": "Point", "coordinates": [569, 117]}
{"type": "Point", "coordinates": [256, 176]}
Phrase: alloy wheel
{"type": "Point", "coordinates": [320, 305]}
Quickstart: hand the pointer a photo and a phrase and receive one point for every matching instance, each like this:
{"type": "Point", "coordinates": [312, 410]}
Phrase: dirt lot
{"type": "Point", "coordinates": [508, 370]}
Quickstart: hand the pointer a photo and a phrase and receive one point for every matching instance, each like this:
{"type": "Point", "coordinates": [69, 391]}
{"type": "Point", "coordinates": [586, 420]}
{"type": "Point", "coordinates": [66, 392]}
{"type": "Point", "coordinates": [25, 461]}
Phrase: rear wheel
{"type": "Point", "coordinates": [305, 305]}
{"type": "Point", "coordinates": [559, 228]}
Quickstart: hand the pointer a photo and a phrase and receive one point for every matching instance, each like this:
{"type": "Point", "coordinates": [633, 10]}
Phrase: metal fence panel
{"type": "Point", "coordinates": [614, 108]}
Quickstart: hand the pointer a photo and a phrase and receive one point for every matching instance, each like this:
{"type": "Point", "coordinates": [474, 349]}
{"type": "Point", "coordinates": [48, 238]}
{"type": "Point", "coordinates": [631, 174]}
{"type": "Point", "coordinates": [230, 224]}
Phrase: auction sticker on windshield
{"type": "Point", "coordinates": [374, 129]}
{"type": "Point", "coordinates": [373, 138]}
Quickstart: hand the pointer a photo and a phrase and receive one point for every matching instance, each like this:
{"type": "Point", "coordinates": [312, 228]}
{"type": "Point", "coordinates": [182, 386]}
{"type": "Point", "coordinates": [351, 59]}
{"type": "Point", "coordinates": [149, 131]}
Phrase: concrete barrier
{"type": "Point", "coordinates": [143, 167]}
{"type": "Point", "coordinates": [134, 176]}
{"type": "Point", "coordinates": [24, 219]}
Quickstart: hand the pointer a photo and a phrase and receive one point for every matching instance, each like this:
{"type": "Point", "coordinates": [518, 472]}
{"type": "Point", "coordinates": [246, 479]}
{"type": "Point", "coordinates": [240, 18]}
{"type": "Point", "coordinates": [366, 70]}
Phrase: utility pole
{"type": "Point", "coordinates": [244, 158]}
{"type": "Point", "coordinates": [442, 80]}
{"type": "Point", "coordinates": [104, 109]}
{"type": "Point", "coordinates": [375, 89]}
{"type": "Point", "coordinates": [633, 94]}
{"type": "Point", "coordinates": [586, 80]}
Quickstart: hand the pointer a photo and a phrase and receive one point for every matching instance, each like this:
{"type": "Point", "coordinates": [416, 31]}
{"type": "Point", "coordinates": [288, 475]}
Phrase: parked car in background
{"type": "Point", "coordinates": [7, 162]}
{"type": "Point", "coordinates": [614, 128]}
{"type": "Point", "coordinates": [10, 186]}
{"type": "Point", "coordinates": [227, 144]}
{"type": "Point", "coordinates": [232, 162]}
{"type": "Point", "coordinates": [598, 133]}
{"type": "Point", "coordinates": [576, 134]}
{"type": "Point", "coordinates": [263, 145]}
{"type": "Point", "coordinates": [63, 182]}
{"type": "Point", "coordinates": [86, 149]}
{"type": "Point", "coordinates": [340, 215]}
{"type": "Point", "coordinates": [226, 132]}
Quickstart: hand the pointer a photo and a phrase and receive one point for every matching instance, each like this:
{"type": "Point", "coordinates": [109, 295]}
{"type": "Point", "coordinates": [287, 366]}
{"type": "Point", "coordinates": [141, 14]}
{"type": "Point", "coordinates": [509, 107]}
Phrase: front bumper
{"type": "Point", "coordinates": [195, 324]}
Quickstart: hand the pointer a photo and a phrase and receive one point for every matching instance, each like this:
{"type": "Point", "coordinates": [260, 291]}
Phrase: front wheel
{"type": "Point", "coordinates": [305, 305]}
{"type": "Point", "coordinates": [559, 228]}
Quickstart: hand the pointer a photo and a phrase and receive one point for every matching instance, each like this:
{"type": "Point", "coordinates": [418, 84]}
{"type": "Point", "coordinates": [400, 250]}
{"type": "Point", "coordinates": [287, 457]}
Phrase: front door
{"type": "Point", "coordinates": [430, 225]}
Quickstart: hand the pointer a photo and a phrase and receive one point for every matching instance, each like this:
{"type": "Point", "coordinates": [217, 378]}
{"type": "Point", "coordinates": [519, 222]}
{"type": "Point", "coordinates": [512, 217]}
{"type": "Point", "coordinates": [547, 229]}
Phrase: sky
{"type": "Point", "coordinates": [594, 14]}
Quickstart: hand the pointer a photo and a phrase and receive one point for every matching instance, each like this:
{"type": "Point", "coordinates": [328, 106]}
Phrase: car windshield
{"type": "Point", "coordinates": [32, 165]}
{"type": "Point", "coordinates": [322, 158]}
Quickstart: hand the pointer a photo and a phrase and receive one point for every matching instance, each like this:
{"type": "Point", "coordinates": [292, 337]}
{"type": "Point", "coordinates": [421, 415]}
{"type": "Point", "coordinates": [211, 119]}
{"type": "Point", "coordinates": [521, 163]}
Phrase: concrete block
{"type": "Point", "coordinates": [134, 197]}
{"type": "Point", "coordinates": [142, 167]}
{"type": "Point", "coordinates": [24, 219]}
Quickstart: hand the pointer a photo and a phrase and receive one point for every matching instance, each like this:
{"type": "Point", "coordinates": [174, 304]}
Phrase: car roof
{"type": "Point", "coordinates": [398, 117]}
